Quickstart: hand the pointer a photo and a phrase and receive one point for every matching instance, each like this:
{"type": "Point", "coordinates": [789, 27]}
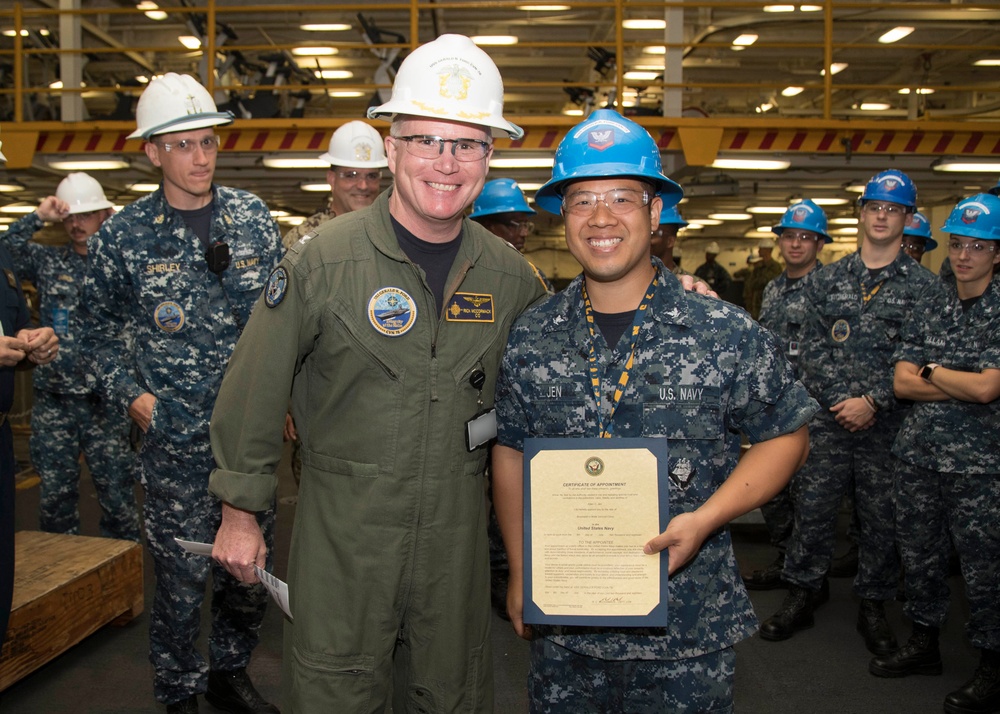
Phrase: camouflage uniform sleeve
{"type": "Point", "coordinates": [767, 401]}
{"type": "Point", "coordinates": [911, 338]}
{"type": "Point", "coordinates": [246, 426]}
{"type": "Point", "coordinates": [27, 255]}
{"type": "Point", "coordinates": [104, 304]}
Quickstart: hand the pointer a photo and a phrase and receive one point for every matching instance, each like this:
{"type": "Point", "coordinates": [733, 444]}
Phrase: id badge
{"type": "Point", "coordinates": [480, 429]}
{"type": "Point", "coordinates": [793, 348]}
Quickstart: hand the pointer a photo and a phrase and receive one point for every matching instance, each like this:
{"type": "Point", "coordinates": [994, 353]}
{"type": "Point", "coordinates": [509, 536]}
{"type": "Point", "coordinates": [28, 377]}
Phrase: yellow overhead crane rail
{"type": "Point", "coordinates": [699, 139]}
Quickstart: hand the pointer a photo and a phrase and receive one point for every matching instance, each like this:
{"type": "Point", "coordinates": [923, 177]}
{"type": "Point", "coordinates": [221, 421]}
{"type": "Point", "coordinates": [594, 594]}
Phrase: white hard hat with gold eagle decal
{"type": "Point", "coordinates": [451, 79]}
{"type": "Point", "coordinates": [175, 102]}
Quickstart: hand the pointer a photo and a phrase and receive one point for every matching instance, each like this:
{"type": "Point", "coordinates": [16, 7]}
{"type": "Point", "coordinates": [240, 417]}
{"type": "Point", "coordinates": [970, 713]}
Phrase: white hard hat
{"type": "Point", "coordinates": [712, 248]}
{"type": "Point", "coordinates": [175, 102]}
{"type": "Point", "coordinates": [356, 145]}
{"type": "Point", "coordinates": [82, 193]}
{"type": "Point", "coordinates": [766, 243]}
{"type": "Point", "coordinates": [450, 79]}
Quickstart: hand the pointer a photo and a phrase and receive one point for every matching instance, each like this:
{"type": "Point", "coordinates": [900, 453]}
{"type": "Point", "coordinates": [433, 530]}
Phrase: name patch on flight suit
{"type": "Point", "coordinates": [470, 307]}
{"type": "Point", "coordinates": [840, 331]}
{"type": "Point", "coordinates": [392, 312]}
{"type": "Point", "coordinates": [169, 316]}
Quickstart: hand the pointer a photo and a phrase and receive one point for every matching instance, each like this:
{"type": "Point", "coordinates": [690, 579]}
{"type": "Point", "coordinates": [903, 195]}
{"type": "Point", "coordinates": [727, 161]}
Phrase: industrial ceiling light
{"type": "Point", "coordinates": [655, 50]}
{"type": "Point", "coordinates": [874, 106]}
{"type": "Point", "coordinates": [776, 210]}
{"type": "Point", "coordinates": [792, 91]}
{"type": "Point", "coordinates": [985, 62]}
{"type": "Point", "coordinates": [641, 76]}
{"type": "Point", "coordinates": [314, 187]}
{"type": "Point", "coordinates": [190, 41]}
{"type": "Point", "coordinates": [494, 40]}
{"type": "Point", "coordinates": [346, 94]}
{"type": "Point", "coordinates": [325, 27]}
{"type": "Point", "coordinates": [831, 201]}
{"type": "Point", "coordinates": [277, 162]}
{"type": "Point", "coordinates": [745, 40]}
{"type": "Point", "coordinates": [895, 35]}
{"type": "Point", "coordinates": [918, 90]}
{"type": "Point", "coordinates": [835, 68]}
{"type": "Point", "coordinates": [542, 8]}
{"type": "Point", "coordinates": [810, 8]}
{"type": "Point", "coordinates": [702, 222]}
{"type": "Point", "coordinates": [966, 166]}
{"type": "Point", "coordinates": [644, 24]}
{"type": "Point", "coordinates": [89, 164]}
{"type": "Point", "coordinates": [143, 187]}
{"type": "Point", "coordinates": [11, 186]}
{"type": "Point", "coordinates": [18, 208]}
{"type": "Point", "coordinates": [779, 8]}
{"type": "Point", "coordinates": [333, 73]}
{"type": "Point", "coordinates": [538, 162]}
{"type": "Point", "coordinates": [730, 216]}
{"type": "Point", "coordinates": [844, 221]}
{"type": "Point", "coordinates": [151, 10]}
{"type": "Point", "coordinates": [751, 164]}
{"type": "Point", "coordinates": [314, 51]}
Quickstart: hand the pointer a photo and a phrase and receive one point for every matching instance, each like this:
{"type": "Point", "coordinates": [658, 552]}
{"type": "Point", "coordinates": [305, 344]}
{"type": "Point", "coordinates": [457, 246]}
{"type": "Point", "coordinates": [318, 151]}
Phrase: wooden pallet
{"type": "Point", "coordinates": [65, 588]}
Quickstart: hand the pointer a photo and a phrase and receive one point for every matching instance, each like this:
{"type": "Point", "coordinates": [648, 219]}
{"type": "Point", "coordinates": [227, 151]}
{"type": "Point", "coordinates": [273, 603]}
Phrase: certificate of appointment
{"type": "Point", "coordinates": [590, 505]}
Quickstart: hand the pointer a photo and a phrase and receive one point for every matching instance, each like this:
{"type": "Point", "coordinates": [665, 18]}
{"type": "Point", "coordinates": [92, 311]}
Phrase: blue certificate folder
{"type": "Point", "coordinates": [591, 463]}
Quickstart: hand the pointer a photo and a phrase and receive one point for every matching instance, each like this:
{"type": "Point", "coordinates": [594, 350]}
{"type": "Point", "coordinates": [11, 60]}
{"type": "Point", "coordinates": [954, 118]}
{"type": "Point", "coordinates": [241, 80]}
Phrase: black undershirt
{"type": "Point", "coordinates": [435, 259]}
{"type": "Point", "coordinates": [874, 272]}
{"type": "Point", "coordinates": [969, 302]}
{"type": "Point", "coordinates": [199, 221]}
{"type": "Point", "coordinates": [613, 325]}
{"type": "Point", "coordinates": [789, 280]}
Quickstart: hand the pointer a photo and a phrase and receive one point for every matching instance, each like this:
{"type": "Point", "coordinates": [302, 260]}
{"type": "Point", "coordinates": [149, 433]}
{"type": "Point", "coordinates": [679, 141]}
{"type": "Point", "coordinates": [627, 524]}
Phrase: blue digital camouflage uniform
{"type": "Point", "coordinates": [67, 415]}
{"type": "Point", "coordinates": [704, 372]}
{"type": "Point", "coordinates": [846, 351]}
{"type": "Point", "coordinates": [148, 275]}
{"type": "Point", "coordinates": [14, 316]}
{"type": "Point", "coordinates": [948, 473]}
{"type": "Point", "coordinates": [783, 311]}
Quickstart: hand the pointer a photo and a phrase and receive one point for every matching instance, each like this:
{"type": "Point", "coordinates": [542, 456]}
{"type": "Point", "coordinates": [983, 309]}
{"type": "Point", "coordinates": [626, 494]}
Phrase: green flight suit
{"type": "Point", "coordinates": [389, 566]}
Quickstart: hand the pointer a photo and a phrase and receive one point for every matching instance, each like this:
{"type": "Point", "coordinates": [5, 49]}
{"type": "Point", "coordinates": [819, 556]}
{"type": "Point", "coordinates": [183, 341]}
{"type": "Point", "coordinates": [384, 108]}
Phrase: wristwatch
{"type": "Point", "coordinates": [927, 370]}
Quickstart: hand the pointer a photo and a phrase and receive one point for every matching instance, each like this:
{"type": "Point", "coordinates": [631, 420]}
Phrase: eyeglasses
{"type": "Point", "coordinates": [80, 217]}
{"type": "Point", "coordinates": [891, 209]}
{"type": "Point", "coordinates": [210, 144]}
{"type": "Point", "coordinates": [426, 146]}
{"type": "Point", "coordinates": [619, 201]}
{"type": "Point", "coordinates": [913, 246]}
{"type": "Point", "coordinates": [804, 237]}
{"type": "Point", "coordinates": [974, 248]}
{"type": "Point", "coordinates": [521, 226]}
{"type": "Point", "coordinates": [358, 177]}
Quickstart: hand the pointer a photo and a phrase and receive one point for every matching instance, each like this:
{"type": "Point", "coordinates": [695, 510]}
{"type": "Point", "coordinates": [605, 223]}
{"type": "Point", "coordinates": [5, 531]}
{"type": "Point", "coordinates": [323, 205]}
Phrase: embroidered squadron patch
{"type": "Point", "coordinates": [277, 286]}
{"type": "Point", "coordinates": [169, 316]}
{"type": "Point", "coordinates": [470, 307]}
{"type": "Point", "coordinates": [392, 312]}
{"type": "Point", "coordinates": [840, 331]}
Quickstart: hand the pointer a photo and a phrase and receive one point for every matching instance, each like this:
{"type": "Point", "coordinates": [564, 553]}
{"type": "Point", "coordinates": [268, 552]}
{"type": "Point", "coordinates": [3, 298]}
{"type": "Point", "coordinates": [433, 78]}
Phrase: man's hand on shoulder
{"type": "Point", "coordinates": [692, 283]}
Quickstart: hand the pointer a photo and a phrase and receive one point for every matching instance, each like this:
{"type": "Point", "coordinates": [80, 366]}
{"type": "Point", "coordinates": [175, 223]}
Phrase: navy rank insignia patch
{"type": "Point", "coordinates": [277, 286]}
{"type": "Point", "coordinates": [470, 307]}
{"type": "Point", "coordinates": [169, 317]}
{"type": "Point", "coordinates": [392, 312]}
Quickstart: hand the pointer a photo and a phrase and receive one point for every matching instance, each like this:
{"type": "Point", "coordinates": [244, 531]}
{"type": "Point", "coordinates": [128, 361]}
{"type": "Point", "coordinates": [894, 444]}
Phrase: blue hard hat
{"type": "Point", "coordinates": [500, 196]}
{"type": "Point", "coordinates": [995, 190]}
{"type": "Point", "coordinates": [893, 186]}
{"type": "Point", "coordinates": [919, 226]}
{"type": "Point", "coordinates": [806, 216]}
{"type": "Point", "coordinates": [605, 145]}
{"type": "Point", "coordinates": [671, 217]}
{"type": "Point", "coordinates": [975, 217]}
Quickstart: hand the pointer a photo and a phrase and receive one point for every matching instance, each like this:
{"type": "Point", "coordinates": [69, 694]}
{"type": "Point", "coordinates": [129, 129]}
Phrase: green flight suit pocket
{"type": "Point", "coordinates": [331, 683]}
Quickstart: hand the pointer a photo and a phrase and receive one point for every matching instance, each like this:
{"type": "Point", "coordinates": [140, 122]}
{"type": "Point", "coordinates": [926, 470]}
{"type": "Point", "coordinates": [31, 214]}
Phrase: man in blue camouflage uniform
{"type": "Point", "coordinates": [608, 185]}
{"type": "Point", "coordinates": [917, 238]}
{"type": "Point", "coordinates": [801, 233]}
{"type": "Point", "coordinates": [856, 308]}
{"type": "Point", "coordinates": [948, 472]}
{"type": "Point", "coordinates": [18, 343]}
{"type": "Point", "coordinates": [180, 270]}
{"type": "Point", "coordinates": [67, 416]}
{"type": "Point", "coordinates": [663, 242]}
